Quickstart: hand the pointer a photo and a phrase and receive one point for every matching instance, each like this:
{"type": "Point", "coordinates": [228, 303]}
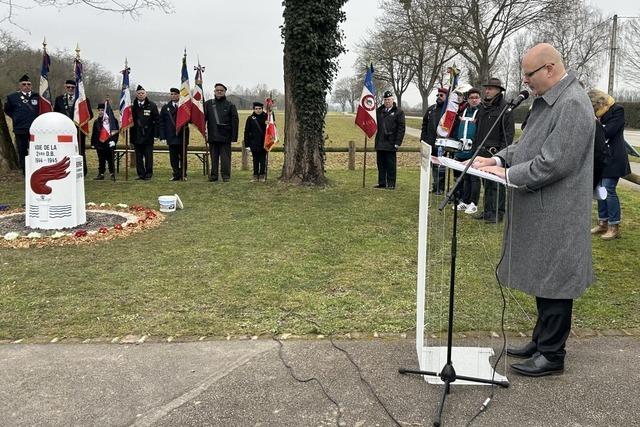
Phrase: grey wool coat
{"type": "Point", "coordinates": [547, 239]}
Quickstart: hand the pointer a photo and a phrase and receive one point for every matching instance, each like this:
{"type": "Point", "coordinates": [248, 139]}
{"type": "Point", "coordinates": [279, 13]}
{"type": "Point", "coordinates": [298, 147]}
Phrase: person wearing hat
{"type": "Point", "coordinates": [500, 137]}
{"type": "Point", "coordinates": [429, 135]}
{"type": "Point", "coordinates": [168, 116]}
{"type": "Point", "coordinates": [65, 104]}
{"type": "Point", "coordinates": [143, 132]}
{"type": "Point", "coordinates": [222, 131]}
{"type": "Point", "coordinates": [105, 148]}
{"type": "Point", "coordinates": [391, 128]}
{"type": "Point", "coordinates": [23, 108]}
{"type": "Point", "coordinates": [254, 130]}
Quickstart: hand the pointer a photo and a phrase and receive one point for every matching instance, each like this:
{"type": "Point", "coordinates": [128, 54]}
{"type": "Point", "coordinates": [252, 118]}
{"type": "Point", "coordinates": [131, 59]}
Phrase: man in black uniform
{"type": "Point", "coordinates": [105, 148]}
{"type": "Point", "coordinates": [222, 131]}
{"type": "Point", "coordinates": [23, 108]}
{"type": "Point", "coordinates": [143, 132]}
{"type": "Point", "coordinates": [168, 115]}
{"type": "Point", "coordinates": [65, 104]}
{"type": "Point", "coordinates": [498, 139]}
{"type": "Point", "coordinates": [254, 130]}
{"type": "Point", "coordinates": [391, 128]}
{"type": "Point", "coordinates": [430, 133]}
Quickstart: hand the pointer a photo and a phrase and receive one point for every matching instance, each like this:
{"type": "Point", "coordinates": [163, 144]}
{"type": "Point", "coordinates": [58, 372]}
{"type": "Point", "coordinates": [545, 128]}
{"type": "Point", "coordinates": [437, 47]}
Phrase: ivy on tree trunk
{"type": "Point", "coordinates": [8, 154]}
{"type": "Point", "coordinates": [312, 44]}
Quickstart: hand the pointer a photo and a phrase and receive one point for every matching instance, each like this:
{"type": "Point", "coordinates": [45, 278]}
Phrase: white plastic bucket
{"type": "Point", "coordinates": [167, 203]}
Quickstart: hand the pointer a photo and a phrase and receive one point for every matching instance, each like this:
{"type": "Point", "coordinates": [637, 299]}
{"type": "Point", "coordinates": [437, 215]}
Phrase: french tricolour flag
{"type": "Point", "coordinates": [81, 113]}
{"type": "Point", "coordinates": [126, 119]}
{"type": "Point", "coordinates": [197, 101]}
{"type": "Point", "coordinates": [109, 124]}
{"type": "Point", "coordinates": [45, 93]}
{"type": "Point", "coordinates": [366, 115]}
{"type": "Point", "coordinates": [184, 104]}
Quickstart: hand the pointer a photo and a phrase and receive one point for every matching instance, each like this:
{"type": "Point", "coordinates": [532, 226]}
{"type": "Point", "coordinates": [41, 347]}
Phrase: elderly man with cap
{"type": "Point", "coordinates": [65, 104]}
{"type": "Point", "coordinates": [254, 130]}
{"type": "Point", "coordinates": [222, 131]}
{"type": "Point", "coordinates": [143, 132]}
{"type": "Point", "coordinates": [429, 135]}
{"type": "Point", "coordinates": [500, 137]}
{"type": "Point", "coordinates": [391, 128]}
{"type": "Point", "coordinates": [22, 106]}
{"type": "Point", "coordinates": [168, 115]}
{"type": "Point", "coordinates": [105, 148]}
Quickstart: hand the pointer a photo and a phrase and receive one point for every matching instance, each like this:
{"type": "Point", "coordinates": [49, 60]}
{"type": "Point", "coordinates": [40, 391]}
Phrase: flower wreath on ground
{"type": "Point", "coordinates": [104, 222]}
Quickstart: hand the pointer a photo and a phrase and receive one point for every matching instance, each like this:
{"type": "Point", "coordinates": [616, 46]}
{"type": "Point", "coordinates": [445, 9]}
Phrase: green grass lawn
{"type": "Point", "coordinates": [241, 255]}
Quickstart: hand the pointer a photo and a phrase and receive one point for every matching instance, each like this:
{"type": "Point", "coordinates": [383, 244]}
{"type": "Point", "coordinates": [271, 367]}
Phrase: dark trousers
{"type": "Point", "coordinates": [82, 148]}
{"type": "Point", "coordinates": [220, 156]}
{"type": "Point", "coordinates": [386, 161]}
{"type": "Point", "coordinates": [437, 178]}
{"type": "Point", "coordinates": [22, 143]}
{"type": "Point", "coordinates": [144, 160]}
{"type": "Point", "coordinates": [259, 156]}
{"type": "Point", "coordinates": [469, 188]}
{"type": "Point", "coordinates": [494, 195]}
{"type": "Point", "coordinates": [552, 327]}
{"type": "Point", "coordinates": [105, 157]}
{"type": "Point", "coordinates": [175, 158]}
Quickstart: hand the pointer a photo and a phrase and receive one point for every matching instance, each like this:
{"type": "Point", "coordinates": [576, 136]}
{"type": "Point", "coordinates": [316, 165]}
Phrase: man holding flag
{"type": "Point", "coordinates": [172, 136]}
{"type": "Point", "coordinates": [81, 110]}
{"type": "Point", "coordinates": [104, 137]}
{"type": "Point", "coordinates": [391, 128]}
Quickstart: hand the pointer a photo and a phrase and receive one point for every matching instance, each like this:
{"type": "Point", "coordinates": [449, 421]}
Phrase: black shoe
{"type": "Point", "coordinates": [140, 178]}
{"type": "Point", "coordinates": [174, 179]}
{"type": "Point", "coordinates": [225, 179]}
{"type": "Point", "coordinates": [391, 187]}
{"type": "Point", "coordinates": [99, 178]}
{"type": "Point", "coordinates": [113, 177]}
{"type": "Point", "coordinates": [213, 179]}
{"type": "Point", "coordinates": [492, 219]}
{"type": "Point", "coordinates": [379, 186]}
{"type": "Point", "coordinates": [478, 215]}
{"type": "Point", "coordinates": [147, 177]}
{"type": "Point", "coordinates": [525, 351]}
{"type": "Point", "coordinates": [538, 366]}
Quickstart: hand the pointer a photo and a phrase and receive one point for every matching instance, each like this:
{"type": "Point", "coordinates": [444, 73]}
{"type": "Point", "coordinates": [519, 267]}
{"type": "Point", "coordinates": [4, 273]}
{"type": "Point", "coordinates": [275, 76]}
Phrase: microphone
{"type": "Point", "coordinates": [513, 104]}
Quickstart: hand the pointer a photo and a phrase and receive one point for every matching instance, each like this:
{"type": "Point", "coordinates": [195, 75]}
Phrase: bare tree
{"type": "Point", "coordinates": [629, 53]}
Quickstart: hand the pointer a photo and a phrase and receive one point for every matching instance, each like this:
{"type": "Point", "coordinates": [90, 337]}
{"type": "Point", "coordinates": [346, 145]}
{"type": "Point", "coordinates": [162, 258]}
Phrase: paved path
{"type": "Point", "coordinates": [238, 383]}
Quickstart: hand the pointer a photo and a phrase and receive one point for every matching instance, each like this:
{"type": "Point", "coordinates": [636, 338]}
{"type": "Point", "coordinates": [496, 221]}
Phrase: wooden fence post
{"type": "Point", "coordinates": [352, 155]}
{"type": "Point", "coordinates": [245, 158]}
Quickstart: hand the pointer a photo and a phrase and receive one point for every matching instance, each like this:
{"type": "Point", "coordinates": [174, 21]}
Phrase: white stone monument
{"type": "Point", "coordinates": [54, 181]}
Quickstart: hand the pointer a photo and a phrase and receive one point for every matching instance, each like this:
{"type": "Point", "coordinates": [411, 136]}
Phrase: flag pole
{"type": "Point", "coordinates": [364, 165]}
{"type": "Point", "coordinates": [184, 153]}
{"type": "Point", "coordinates": [126, 155]}
{"type": "Point", "coordinates": [266, 166]}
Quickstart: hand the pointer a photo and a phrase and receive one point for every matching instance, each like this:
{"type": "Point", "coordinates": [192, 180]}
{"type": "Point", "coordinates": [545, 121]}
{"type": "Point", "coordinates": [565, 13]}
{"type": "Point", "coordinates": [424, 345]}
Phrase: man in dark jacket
{"type": "Point", "coordinates": [222, 131]}
{"type": "Point", "coordinates": [65, 104]}
{"type": "Point", "coordinates": [145, 128]}
{"type": "Point", "coordinates": [429, 134]}
{"type": "Point", "coordinates": [105, 148]}
{"type": "Point", "coordinates": [22, 106]}
{"type": "Point", "coordinates": [500, 137]}
{"type": "Point", "coordinates": [254, 130]}
{"type": "Point", "coordinates": [168, 115]}
{"type": "Point", "coordinates": [391, 127]}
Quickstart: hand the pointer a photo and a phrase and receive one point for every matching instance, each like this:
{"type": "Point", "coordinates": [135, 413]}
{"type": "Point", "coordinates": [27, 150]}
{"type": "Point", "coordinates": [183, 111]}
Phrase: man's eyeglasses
{"type": "Point", "coordinates": [441, 95]}
{"type": "Point", "coordinates": [70, 87]}
{"type": "Point", "coordinates": [25, 84]}
{"type": "Point", "coordinates": [531, 73]}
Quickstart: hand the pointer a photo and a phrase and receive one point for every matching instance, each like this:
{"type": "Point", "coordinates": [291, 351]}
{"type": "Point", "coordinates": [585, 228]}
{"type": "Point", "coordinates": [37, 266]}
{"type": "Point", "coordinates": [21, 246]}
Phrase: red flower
{"type": "Point", "coordinates": [118, 226]}
{"type": "Point", "coordinates": [103, 230]}
{"type": "Point", "coordinates": [139, 208]}
{"type": "Point", "coordinates": [80, 233]}
{"type": "Point", "coordinates": [131, 224]}
{"type": "Point", "coordinates": [151, 214]}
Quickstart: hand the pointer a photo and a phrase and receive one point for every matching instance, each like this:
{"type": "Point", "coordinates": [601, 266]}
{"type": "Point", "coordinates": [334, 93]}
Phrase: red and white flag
{"type": "Point", "coordinates": [81, 113]}
{"type": "Point", "coordinates": [197, 101]}
{"type": "Point", "coordinates": [44, 105]}
{"type": "Point", "coordinates": [184, 104]}
{"type": "Point", "coordinates": [126, 118]}
{"type": "Point", "coordinates": [109, 123]}
{"type": "Point", "coordinates": [271, 133]}
{"type": "Point", "coordinates": [366, 115]}
{"type": "Point", "coordinates": [445, 126]}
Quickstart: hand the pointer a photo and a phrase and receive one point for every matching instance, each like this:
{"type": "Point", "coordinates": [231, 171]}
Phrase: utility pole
{"type": "Point", "coordinates": [612, 54]}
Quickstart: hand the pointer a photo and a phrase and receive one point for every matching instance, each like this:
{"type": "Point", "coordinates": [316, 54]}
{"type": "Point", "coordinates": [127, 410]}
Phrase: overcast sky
{"type": "Point", "coordinates": [238, 41]}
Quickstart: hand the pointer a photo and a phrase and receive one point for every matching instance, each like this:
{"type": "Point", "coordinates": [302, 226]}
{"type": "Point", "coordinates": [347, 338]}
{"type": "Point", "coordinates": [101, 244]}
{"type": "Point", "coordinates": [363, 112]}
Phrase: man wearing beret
{"type": "Point", "coordinates": [65, 104]}
{"type": "Point", "coordinates": [145, 129]}
{"type": "Point", "coordinates": [254, 130]}
{"type": "Point", "coordinates": [429, 135]}
{"type": "Point", "coordinates": [500, 137]}
{"type": "Point", "coordinates": [22, 106]}
{"type": "Point", "coordinates": [168, 115]}
{"type": "Point", "coordinates": [222, 131]}
{"type": "Point", "coordinates": [391, 127]}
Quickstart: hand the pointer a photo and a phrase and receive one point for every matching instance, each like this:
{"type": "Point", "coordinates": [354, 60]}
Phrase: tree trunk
{"type": "Point", "coordinates": [399, 100]}
{"type": "Point", "coordinates": [8, 154]}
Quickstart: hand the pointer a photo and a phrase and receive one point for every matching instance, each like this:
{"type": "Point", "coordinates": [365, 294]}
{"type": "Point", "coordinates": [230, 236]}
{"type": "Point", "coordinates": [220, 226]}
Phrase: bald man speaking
{"type": "Point", "coordinates": [547, 240]}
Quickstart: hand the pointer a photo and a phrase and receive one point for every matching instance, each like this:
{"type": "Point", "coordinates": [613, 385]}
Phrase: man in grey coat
{"type": "Point", "coordinates": [547, 238]}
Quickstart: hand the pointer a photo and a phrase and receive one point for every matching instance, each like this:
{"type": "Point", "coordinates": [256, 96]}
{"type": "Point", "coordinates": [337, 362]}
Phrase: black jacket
{"type": "Point", "coordinates": [60, 105]}
{"type": "Point", "coordinates": [430, 125]}
{"type": "Point", "coordinates": [168, 115]}
{"type": "Point", "coordinates": [225, 128]}
{"type": "Point", "coordinates": [145, 122]}
{"type": "Point", "coordinates": [23, 110]}
{"type": "Point", "coordinates": [618, 162]}
{"type": "Point", "coordinates": [502, 135]}
{"type": "Point", "coordinates": [95, 135]}
{"type": "Point", "coordinates": [391, 128]}
{"type": "Point", "coordinates": [254, 130]}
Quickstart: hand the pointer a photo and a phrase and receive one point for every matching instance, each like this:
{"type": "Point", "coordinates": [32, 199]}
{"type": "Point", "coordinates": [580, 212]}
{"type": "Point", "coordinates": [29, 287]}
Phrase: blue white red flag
{"type": "Point", "coordinates": [184, 104]}
{"type": "Point", "coordinates": [109, 122]}
{"type": "Point", "coordinates": [197, 101]}
{"type": "Point", "coordinates": [366, 114]}
{"type": "Point", "coordinates": [271, 132]}
{"type": "Point", "coordinates": [45, 92]}
{"type": "Point", "coordinates": [126, 118]}
{"type": "Point", "coordinates": [81, 113]}
{"type": "Point", "coordinates": [445, 126]}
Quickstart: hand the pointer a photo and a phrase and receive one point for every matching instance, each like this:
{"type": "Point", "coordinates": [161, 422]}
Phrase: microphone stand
{"type": "Point", "coordinates": [448, 374]}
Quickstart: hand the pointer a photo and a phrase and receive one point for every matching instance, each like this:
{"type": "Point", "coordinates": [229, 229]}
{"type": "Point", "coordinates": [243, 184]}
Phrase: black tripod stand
{"type": "Point", "coordinates": [448, 373]}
